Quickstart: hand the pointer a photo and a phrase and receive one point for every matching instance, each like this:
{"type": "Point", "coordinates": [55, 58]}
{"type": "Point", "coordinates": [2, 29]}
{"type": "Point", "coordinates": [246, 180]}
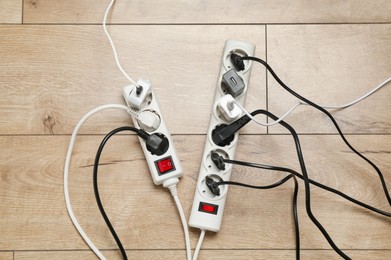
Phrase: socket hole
{"type": "Point", "coordinates": [148, 101]}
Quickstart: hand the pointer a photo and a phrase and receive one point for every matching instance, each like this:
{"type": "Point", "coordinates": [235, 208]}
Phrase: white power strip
{"type": "Point", "coordinates": [208, 208]}
{"type": "Point", "coordinates": [167, 165]}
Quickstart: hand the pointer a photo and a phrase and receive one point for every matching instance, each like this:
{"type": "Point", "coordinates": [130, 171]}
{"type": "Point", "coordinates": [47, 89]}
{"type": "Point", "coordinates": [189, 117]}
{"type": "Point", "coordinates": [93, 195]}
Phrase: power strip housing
{"type": "Point", "coordinates": [162, 167]}
{"type": "Point", "coordinates": [207, 210]}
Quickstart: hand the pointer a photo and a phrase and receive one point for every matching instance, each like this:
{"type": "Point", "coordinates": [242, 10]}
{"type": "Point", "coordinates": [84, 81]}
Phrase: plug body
{"type": "Point", "coordinates": [237, 62]}
{"type": "Point", "coordinates": [228, 108]}
{"type": "Point", "coordinates": [233, 83]}
{"type": "Point", "coordinates": [135, 96]}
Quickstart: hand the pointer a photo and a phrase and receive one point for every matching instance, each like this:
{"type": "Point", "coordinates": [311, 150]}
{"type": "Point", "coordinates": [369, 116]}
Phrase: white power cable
{"type": "Point", "coordinates": [323, 106]}
{"type": "Point", "coordinates": [66, 174]}
{"type": "Point", "coordinates": [171, 185]}
{"type": "Point", "coordinates": [381, 85]}
{"type": "Point", "coordinates": [112, 43]}
{"type": "Point", "coordinates": [198, 247]}
{"type": "Point", "coordinates": [268, 124]}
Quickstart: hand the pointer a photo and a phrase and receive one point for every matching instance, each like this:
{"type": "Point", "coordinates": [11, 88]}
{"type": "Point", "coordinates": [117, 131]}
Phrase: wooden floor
{"type": "Point", "coordinates": [56, 65]}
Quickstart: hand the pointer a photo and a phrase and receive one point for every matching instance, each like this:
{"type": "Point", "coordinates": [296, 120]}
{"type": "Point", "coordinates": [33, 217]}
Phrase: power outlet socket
{"type": "Point", "coordinates": [165, 166]}
{"type": "Point", "coordinates": [207, 210]}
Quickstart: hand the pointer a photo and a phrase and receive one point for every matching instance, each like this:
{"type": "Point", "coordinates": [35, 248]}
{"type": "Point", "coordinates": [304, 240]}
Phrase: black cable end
{"type": "Point", "coordinates": [224, 134]}
{"type": "Point", "coordinates": [156, 143]}
{"type": "Point", "coordinates": [237, 61]}
{"type": "Point", "coordinates": [218, 160]}
{"type": "Point", "coordinates": [212, 185]}
{"type": "Point", "coordinates": [144, 135]}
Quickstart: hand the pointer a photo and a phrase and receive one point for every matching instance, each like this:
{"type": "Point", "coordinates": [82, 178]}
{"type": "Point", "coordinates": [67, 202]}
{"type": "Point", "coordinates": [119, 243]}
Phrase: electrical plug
{"type": "Point", "coordinates": [212, 185]}
{"type": "Point", "coordinates": [218, 160]}
{"type": "Point", "coordinates": [136, 95]}
{"type": "Point", "coordinates": [148, 120]}
{"type": "Point", "coordinates": [228, 109]}
{"type": "Point", "coordinates": [157, 143]}
{"type": "Point", "coordinates": [233, 83]}
{"type": "Point", "coordinates": [237, 61]}
{"type": "Point", "coordinates": [224, 134]}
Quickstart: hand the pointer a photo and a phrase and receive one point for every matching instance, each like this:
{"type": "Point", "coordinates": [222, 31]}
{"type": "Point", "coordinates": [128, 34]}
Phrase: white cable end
{"type": "Point", "coordinates": [135, 95]}
{"type": "Point", "coordinates": [226, 106]}
{"type": "Point", "coordinates": [171, 185]}
{"type": "Point", "coordinates": [149, 120]}
{"type": "Point", "coordinates": [198, 247]}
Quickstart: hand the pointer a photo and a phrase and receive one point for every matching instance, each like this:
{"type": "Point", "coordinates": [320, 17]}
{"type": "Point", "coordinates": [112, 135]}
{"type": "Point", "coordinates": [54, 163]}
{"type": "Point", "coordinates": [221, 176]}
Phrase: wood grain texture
{"type": "Point", "coordinates": [331, 65]}
{"type": "Point", "coordinates": [52, 75]}
{"type": "Point", "coordinates": [11, 11]}
{"type": "Point", "coordinates": [6, 255]}
{"type": "Point", "coordinates": [33, 215]}
{"type": "Point", "coordinates": [249, 11]}
{"type": "Point", "coordinates": [208, 254]}
{"type": "Point", "coordinates": [60, 65]}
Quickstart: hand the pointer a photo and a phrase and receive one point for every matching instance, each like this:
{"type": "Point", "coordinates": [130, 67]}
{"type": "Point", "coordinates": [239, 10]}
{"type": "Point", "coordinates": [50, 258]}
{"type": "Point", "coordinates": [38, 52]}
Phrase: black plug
{"type": "Point", "coordinates": [237, 61]}
{"type": "Point", "coordinates": [220, 137]}
{"type": "Point", "coordinates": [156, 143]}
{"type": "Point", "coordinates": [212, 185]}
{"type": "Point", "coordinates": [224, 134]}
{"type": "Point", "coordinates": [218, 160]}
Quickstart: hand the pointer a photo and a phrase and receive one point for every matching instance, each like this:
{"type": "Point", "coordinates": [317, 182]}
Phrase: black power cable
{"type": "Point", "coordinates": [276, 184]}
{"type": "Point", "coordinates": [306, 182]}
{"type": "Point", "coordinates": [96, 189]}
{"type": "Point", "coordinates": [222, 134]}
{"type": "Point", "coordinates": [320, 185]}
{"type": "Point", "coordinates": [156, 143]}
{"type": "Point", "coordinates": [380, 174]}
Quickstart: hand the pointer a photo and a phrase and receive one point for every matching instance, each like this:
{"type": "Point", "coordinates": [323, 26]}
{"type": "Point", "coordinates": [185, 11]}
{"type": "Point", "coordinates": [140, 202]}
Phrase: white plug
{"type": "Point", "coordinates": [148, 120]}
{"type": "Point", "coordinates": [228, 109]}
{"type": "Point", "coordinates": [135, 95]}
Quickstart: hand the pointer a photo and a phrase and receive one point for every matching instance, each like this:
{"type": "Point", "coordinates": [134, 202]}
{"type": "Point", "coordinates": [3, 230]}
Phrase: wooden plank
{"type": "Point", "coordinates": [33, 215]}
{"type": "Point", "coordinates": [172, 11]}
{"type": "Point", "coordinates": [52, 75]}
{"type": "Point", "coordinates": [331, 65]}
{"type": "Point", "coordinates": [11, 11]}
{"type": "Point", "coordinates": [6, 255]}
{"type": "Point", "coordinates": [207, 254]}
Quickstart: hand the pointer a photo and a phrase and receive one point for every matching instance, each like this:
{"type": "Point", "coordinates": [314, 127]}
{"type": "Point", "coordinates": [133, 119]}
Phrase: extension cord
{"type": "Point", "coordinates": [167, 165]}
{"type": "Point", "coordinates": [208, 208]}
{"type": "Point", "coordinates": [165, 168]}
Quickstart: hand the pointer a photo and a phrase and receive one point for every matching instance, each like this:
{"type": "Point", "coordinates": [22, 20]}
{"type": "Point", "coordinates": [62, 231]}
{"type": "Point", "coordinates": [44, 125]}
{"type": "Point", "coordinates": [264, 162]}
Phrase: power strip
{"type": "Point", "coordinates": [208, 208]}
{"type": "Point", "coordinates": [167, 165]}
